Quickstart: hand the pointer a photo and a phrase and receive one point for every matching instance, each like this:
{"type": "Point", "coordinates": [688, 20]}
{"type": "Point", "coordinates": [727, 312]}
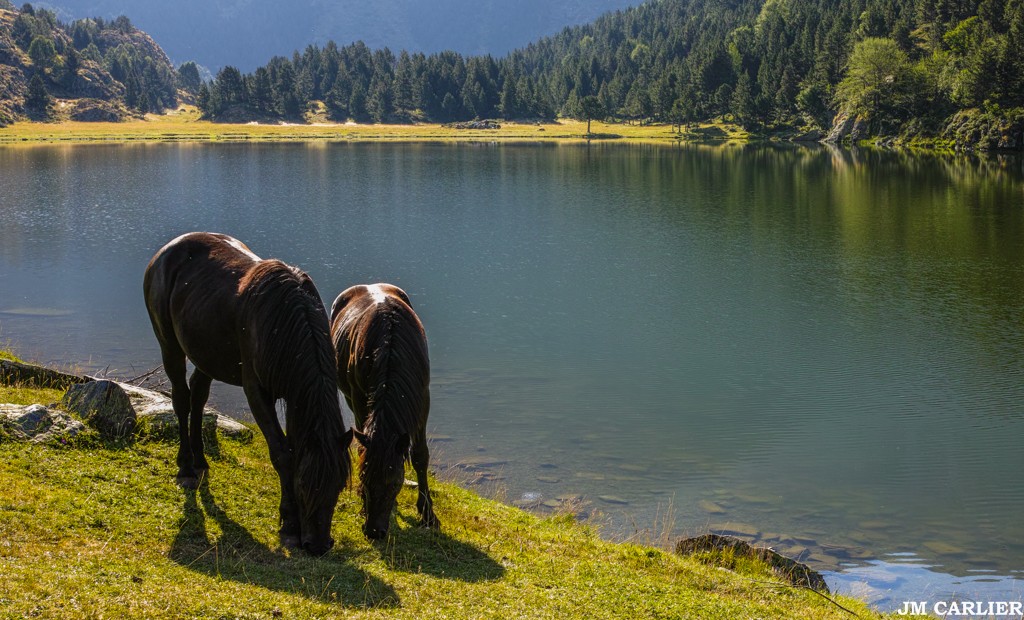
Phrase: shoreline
{"type": "Point", "coordinates": [576, 574]}
{"type": "Point", "coordinates": [185, 128]}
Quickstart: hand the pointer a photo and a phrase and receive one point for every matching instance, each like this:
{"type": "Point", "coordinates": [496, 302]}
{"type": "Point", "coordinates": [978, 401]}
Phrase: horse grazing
{"type": "Point", "coordinates": [384, 373]}
{"type": "Point", "coordinates": [259, 324]}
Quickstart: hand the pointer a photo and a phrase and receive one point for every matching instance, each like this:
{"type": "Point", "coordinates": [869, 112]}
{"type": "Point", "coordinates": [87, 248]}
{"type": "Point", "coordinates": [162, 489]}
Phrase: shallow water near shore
{"type": "Point", "coordinates": [818, 350]}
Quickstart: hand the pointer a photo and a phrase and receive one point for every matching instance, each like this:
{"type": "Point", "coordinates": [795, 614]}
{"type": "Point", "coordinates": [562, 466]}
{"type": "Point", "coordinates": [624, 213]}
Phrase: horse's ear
{"type": "Point", "coordinates": [360, 437]}
{"type": "Point", "coordinates": [402, 294]}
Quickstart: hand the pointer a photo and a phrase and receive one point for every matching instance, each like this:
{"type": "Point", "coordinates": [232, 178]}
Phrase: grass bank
{"type": "Point", "coordinates": [95, 530]}
{"type": "Point", "coordinates": [184, 126]}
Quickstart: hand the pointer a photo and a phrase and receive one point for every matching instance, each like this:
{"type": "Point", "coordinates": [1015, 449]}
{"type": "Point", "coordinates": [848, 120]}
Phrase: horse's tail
{"type": "Point", "coordinates": [399, 370]}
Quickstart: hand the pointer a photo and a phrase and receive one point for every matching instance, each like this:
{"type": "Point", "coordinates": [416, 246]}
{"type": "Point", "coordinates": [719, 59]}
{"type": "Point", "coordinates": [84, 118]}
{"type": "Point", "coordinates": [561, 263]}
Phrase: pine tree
{"type": "Point", "coordinates": [261, 93]}
{"type": "Point", "coordinates": [742, 105]}
{"type": "Point", "coordinates": [188, 77]}
{"type": "Point", "coordinates": [37, 101]}
{"type": "Point", "coordinates": [592, 109]}
{"type": "Point", "coordinates": [43, 53]}
{"type": "Point", "coordinates": [69, 74]}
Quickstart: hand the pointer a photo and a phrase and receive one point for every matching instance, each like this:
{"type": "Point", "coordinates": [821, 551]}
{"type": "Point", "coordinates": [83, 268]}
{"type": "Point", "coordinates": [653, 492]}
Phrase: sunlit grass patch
{"type": "Point", "coordinates": [184, 125]}
{"type": "Point", "coordinates": [102, 531]}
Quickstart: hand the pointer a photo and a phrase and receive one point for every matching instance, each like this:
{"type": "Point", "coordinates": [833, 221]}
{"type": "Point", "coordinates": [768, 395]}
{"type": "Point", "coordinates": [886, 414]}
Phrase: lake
{"type": "Point", "coordinates": [821, 350]}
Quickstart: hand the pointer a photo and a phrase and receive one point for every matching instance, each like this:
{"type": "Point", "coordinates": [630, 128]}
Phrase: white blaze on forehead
{"type": "Point", "coordinates": [377, 293]}
{"type": "Point", "coordinates": [238, 245]}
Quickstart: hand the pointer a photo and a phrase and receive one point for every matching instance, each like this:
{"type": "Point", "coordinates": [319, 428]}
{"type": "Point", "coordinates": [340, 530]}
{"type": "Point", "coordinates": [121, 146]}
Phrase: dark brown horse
{"type": "Point", "coordinates": [259, 324]}
{"type": "Point", "coordinates": [384, 372]}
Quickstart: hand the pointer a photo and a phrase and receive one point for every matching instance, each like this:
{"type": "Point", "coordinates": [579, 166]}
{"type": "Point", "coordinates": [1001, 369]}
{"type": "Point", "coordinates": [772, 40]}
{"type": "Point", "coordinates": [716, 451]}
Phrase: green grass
{"type": "Point", "coordinates": [184, 125]}
{"type": "Point", "coordinates": [94, 532]}
{"type": "Point", "coordinates": [22, 395]}
{"type": "Point", "coordinates": [101, 531]}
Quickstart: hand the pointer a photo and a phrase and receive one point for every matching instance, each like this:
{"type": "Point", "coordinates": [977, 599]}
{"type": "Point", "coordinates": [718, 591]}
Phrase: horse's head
{"type": "Point", "coordinates": [382, 473]}
{"type": "Point", "coordinates": [320, 476]}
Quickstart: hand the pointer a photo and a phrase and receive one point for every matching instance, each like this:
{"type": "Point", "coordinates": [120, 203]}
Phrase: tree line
{"type": "Point", "coordinates": [763, 63]}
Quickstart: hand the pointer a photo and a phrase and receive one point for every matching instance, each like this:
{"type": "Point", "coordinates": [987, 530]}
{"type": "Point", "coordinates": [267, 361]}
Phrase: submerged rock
{"type": "Point", "coordinates": [710, 507]}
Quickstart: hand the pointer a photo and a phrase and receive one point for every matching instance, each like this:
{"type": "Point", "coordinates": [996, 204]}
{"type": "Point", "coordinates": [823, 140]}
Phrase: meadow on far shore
{"type": "Point", "coordinates": [184, 125]}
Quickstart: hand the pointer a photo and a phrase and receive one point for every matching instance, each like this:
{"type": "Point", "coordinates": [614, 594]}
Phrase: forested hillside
{"type": "Point", "coordinates": [764, 64]}
{"type": "Point", "coordinates": [948, 68]}
{"type": "Point", "coordinates": [90, 69]}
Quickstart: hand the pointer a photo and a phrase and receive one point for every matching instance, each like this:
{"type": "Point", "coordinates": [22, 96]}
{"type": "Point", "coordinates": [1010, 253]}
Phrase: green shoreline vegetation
{"type": "Point", "coordinates": [100, 530]}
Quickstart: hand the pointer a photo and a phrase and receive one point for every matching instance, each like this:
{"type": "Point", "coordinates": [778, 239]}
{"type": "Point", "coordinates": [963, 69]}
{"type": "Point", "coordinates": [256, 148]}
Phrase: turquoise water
{"type": "Point", "coordinates": [816, 349]}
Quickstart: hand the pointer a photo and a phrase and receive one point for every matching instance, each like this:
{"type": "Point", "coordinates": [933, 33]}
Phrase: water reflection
{"type": "Point", "coordinates": [815, 348]}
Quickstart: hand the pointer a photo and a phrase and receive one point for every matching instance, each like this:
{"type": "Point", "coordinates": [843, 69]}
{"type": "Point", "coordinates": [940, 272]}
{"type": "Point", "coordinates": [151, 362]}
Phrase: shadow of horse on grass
{"type": "Point", "coordinates": [235, 555]}
{"type": "Point", "coordinates": [435, 553]}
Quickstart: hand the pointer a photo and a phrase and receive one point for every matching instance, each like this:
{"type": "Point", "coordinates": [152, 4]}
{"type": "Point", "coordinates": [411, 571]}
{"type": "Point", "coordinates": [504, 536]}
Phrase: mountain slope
{"type": "Point", "coordinates": [87, 70]}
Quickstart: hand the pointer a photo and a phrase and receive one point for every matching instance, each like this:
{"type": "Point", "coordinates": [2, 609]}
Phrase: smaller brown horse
{"type": "Point", "coordinates": [384, 373]}
{"type": "Point", "coordinates": [259, 324]}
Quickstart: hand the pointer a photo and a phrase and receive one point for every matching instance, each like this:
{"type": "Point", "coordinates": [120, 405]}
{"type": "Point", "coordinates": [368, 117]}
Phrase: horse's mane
{"type": "Point", "coordinates": [399, 371]}
{"type": "Point", "coordinates": [294, 360]}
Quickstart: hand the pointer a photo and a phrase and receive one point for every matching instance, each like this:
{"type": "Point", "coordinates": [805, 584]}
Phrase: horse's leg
{"type": "Point", "coordinates": [262, 407]}
{"type": "Point", "coordinates": [174, 366]}
{"type": "Point", "coordinates": [357, 405]}
{"type": "Point", "coordinates": [199, 385]}
{"type": "Point", "coordinates": [420, 461]}
{"type": "Point", "coordinates": [358, 413]}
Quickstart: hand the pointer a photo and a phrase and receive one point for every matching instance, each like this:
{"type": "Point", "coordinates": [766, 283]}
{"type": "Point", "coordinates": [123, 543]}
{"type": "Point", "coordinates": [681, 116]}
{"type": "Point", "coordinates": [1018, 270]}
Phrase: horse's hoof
{"type": "Point", "coordinates": [188, 482]}
{"type": "Point", "coordinates": [430, 522]}
{"type": "Point", "coordinates": [291, 541]}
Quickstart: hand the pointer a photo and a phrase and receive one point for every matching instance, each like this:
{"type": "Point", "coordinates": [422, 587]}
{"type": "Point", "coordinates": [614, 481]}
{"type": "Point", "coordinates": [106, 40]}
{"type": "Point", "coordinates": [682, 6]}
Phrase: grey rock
{"type": "Point", "coordinates": [37, 423]}
{"type": "Point", "coordinates": [841, 127]}
{"type": "Point", "coordinates": [157, 412]}
{"type": "Point", "coordinates": [711, 507]}
{"type": "Point", "coordinates": [36, 376]}
{"type": "Point", "coordinates": [477, 124]}
{"type": "Point", "coordinates": [813, 135]}
{"type": "Point", "coordinates": [112, 408]}
{"type": "Point", "coordinates": [859, 131]}
{"type": "Point", "coordinates": [788, 570]}
{"type": "Point", "coordinates": [103, 405]}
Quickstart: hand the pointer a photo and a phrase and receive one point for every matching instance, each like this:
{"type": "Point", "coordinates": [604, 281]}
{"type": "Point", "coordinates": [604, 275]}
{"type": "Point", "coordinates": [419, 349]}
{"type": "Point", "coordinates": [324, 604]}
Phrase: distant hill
{"type": "Point", "coordinates": [246, 33]}
{"type": "Point", "coordinates": [87, 70]}
{"type": "Point", "coordinates": [952, 69]}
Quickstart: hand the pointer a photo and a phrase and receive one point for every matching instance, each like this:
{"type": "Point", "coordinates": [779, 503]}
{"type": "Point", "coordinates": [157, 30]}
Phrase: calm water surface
{"type": "Point", "coordinates": [819, 350]}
